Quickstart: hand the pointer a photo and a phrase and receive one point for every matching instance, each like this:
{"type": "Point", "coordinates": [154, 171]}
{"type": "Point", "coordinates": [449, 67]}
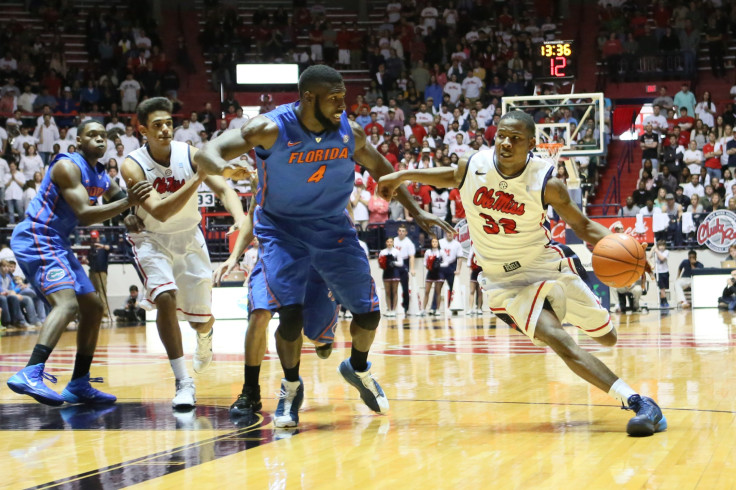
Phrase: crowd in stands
{"type": "Point", "coordinates": [661, 39]}
{"type": "Point", "coordinates": [688, 164]}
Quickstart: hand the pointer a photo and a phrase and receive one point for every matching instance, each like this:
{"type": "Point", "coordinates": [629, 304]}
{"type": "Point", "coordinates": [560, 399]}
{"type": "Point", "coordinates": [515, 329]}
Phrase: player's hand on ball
{"type": "Point", "coordinates": [138, 192]}
{"type": "Point", "coordinates": [133, 224]}
{"type": "Point", "coordinates": [387, 186]}
{"type": "Point", "coordinates": [428, 220]}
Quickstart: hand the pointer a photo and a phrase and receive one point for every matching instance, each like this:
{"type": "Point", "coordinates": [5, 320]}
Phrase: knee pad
{"type": "Point", "coordinates": [368, 321]}
{"type": "Point", "coordinates": [291, 322]}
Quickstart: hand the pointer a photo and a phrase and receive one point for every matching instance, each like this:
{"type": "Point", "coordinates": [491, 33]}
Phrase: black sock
{"type": "Point", "coordinates": [292, 374]}
{"type": "Point", "coordinates": [252, 373]}
{"type": "Point", "coordinates": [81, 366]}
{"type": "Point", "coordinates": [359, 360]}
{"type": "Point", "coordinates": [40, 355]}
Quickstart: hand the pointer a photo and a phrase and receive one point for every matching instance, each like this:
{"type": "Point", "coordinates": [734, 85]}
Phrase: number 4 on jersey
{"type": "Point", "coordinates": [317, 176]}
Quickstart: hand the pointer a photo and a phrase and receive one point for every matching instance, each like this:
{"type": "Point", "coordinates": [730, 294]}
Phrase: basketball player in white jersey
{"type": "Point", "coordinates": [533, 283]}
{"type": "Point", "coordinates": [170, 250]}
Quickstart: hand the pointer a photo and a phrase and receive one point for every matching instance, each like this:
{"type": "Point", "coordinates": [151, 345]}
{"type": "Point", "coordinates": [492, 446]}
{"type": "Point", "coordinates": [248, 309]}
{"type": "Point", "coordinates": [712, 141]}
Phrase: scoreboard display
{"type": "Point", "coordinates": [554, 60]}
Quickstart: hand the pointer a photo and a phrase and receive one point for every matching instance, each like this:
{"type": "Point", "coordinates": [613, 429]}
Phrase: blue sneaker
{"type": "Point", "coordinates": [80, 391]}
{"type": "Point", "coordinates": [648, 419]}
{"type": "Point", "coordinates": [29, 381]}
{"type": "Point", "coordinates": [370, 391]}
{"type": "Point", "coordinates": [290, 400]}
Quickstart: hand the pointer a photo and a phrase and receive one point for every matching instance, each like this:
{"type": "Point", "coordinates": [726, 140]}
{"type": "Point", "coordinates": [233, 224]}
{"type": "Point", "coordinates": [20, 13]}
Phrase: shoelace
{"type": "Point", "coordinates": [48, 376]}
{"type": "Point", "coordinates": [370, 383]}
{"type": "Point", "coordinates": [96, 380]}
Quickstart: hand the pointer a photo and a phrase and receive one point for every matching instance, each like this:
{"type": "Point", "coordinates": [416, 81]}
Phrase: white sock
{"type": "Point", "coordinates": [180, 368]}
{"type": "Point", "coordinates": [621, 392]}
{"type": "Point", "coordinates": [206, 334]}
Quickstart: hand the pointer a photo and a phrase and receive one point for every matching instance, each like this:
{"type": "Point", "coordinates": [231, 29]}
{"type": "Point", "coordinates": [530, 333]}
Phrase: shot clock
{"type": "Point", "coordinates": [554, 60]}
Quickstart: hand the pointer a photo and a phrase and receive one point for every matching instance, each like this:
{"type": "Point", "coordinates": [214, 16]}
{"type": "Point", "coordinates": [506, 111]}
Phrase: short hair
{"type": "Point", "coordinates": [317, 75]}
{"type": "Point", "coordinates": [522, 117]}
{"type": "Point", "coordinates": [133, 288]}
{"type": "Point", "coordinates": [692, 253]}
{"type": "Point", "coordinates": [154, 104]}
{"type": "Point", "coordinates": [402, 226]}
{"type": "Point", "coordinates": [82, 127]}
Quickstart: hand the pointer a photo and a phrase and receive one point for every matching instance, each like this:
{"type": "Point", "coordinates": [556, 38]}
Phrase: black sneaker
{"type": "Point", "coordinates": [648, 419]}
{"type": "Point", "coordinates": [248, 402]}
{"type": "Point", "coordinates": [324, 351]}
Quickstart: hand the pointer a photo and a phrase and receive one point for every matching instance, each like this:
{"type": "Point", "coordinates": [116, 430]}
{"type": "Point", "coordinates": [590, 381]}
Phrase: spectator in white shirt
{"type": "Point", "coordinates": [429, 17]}
{"type": "Point", "coordinates": [239, 120]}
{"type": "Point", "coordinates": [657, 120]}
{"type": "Point", "coordinates": [424, 118]}
{"type": "Point", "coordinates": [450, 252]}
{"type": "Point", "coordinates": [130, 91]}
{"type": "Point", "coordinates": [46, 134]}
{"type": "Point", "coordinates": [453, 89]}
{"type": "Point", "coordinates": [194, 122]}
{"type": "Point", "coordinates": [115, 124]}
{"type": "Point", "coordinates": [26, 99]}
{"type": "Point", "coordinates": [4, 170]}
{"type": "Point", "coordinates": [30, 163]}
{"type": "Point", "coordinates": [129, 140]}
{"type": "Point", "coordinates": [381, 111]}
{"type": "Point", "coordinates": [693, 187]}
{"type": "Point", "coordinates": [360, 199]}
{"type": "Point", "coordinates": [693, 158]}
{"type": "Point", "coordinates": [185, 133]}
{"type": "Point", "coordinates": [472, 86]}
{"type": "Point", "coordinates": [459, 148]}
{"type": "Point", "coordinates": [13, 184]}
{"type": "Point", "coordinates": [221, 129]}
{"type": "Point", "coordinates": [20, 140]}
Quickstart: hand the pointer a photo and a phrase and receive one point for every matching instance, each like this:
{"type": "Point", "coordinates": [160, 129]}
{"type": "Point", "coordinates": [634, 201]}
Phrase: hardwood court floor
{"type": "Point", "coordinates": [473, 405]}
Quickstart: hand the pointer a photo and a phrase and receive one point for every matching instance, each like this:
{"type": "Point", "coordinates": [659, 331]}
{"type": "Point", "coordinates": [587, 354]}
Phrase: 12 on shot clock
{"type": "Point", "coordinates": [554, 60]}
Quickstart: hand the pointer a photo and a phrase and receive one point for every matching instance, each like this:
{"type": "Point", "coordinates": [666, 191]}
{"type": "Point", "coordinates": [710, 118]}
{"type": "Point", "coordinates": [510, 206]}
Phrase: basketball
{"type": "Point", "coordinates": [619, 260]}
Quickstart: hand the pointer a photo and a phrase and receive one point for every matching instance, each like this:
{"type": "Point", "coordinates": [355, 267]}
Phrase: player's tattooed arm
{"type": "Point", "coordinates": [378, 166]}
{"type": "Point", "coordinates": [160, 208]}
{"type": "Point", "coordinates": [68, 177]}
{"type": "Point", "coordinates": [555, 194]}
{"type": "Point", "coordinates": [215, 156]}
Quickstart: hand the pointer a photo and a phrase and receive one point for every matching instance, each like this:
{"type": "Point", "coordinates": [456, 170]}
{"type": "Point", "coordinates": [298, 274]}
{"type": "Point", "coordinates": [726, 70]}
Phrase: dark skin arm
{"type": "Point", "coordinates": [68, 177]}
{"type": "Point", "coordinates": [443, 177]}
{"type": "Point", "coordinates": [378, 166]}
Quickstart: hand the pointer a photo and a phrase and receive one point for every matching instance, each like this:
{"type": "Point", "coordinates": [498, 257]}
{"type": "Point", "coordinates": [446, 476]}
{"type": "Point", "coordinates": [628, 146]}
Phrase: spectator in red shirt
{"type": "Point", "coordinates": [456, 206]}
{"type": "Point", "coordinates": [421, 194]}
{"type": "Point", "coordinates": [359, 104]}
{"type": "Point", "coordinates": [638, 24]}
{"type": "Point", "coordinates": [383, 150]}
{"type": "Point", "coordinates": [685, 122]}
{"type": "Point", "coordinates": [374, 123]}
{"type": "Point", "coordinates": [712, 156]}
{"type": "Point", "coordinates": [415, 129]}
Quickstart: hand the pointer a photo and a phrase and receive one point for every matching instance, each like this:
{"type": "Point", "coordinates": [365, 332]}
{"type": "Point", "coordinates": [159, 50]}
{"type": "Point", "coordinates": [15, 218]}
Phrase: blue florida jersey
{"type": "Point", "coordinates": [49, 212]}
{"type": "Point", "coordinates": [305, 175]}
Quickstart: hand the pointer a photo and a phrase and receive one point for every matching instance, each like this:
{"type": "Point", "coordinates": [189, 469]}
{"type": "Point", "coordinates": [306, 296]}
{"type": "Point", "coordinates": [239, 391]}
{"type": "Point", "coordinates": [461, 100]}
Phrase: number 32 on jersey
{"type": "Point", "coordinates": [493, 227]}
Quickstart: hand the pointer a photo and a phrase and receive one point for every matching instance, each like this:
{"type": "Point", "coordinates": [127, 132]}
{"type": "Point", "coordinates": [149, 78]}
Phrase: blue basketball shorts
{"type": "Point", "coordinates": [320, 308]}
{"type": "Point", "coordinates": [48, 261]}
{"type": "Point", "coordinates": [289, 249]}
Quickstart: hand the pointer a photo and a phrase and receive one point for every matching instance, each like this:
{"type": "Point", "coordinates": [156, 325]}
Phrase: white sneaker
{"type": "Point", "coordinates": [348, 315]}
{"type": "Point", "coordinates": [185, 396]}
{"type": "Point", "coordinates": [203, 353]}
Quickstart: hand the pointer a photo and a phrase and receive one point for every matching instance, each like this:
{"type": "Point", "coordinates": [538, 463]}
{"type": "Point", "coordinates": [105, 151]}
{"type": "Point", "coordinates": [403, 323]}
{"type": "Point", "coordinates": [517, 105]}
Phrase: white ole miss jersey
{"type": "Point", "coordinates": [506, 215]}
{"type": "Point", "coordinates": [165, 181]}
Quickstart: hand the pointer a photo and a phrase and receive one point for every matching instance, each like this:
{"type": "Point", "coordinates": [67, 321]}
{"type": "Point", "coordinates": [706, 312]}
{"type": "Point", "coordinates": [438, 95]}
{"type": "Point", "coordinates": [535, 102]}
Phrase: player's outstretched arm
{"type": "Point", "coordinates": [437, 176]}
{"type": "Point", "coordinates": [245, 236]}
{"type": "Point", "coordinates": [378, 166]}
{"type": "Point", "coordinates": [214, 157]}
{"type": "Point", "coordinates": [555, 194]}
{"type": "Point", "coordinates": [68, 177]}
{"type": "Point", "coordinates": [224, 192]}
{"type": "Point", "coordinates": [158, 207]}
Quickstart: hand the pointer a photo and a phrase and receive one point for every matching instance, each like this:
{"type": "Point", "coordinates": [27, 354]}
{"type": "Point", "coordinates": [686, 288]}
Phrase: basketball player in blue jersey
{"type": "Point", "coordinates": [306, 154]}
{"type": "Point", "coordinates": [67, 198]}
{"type": "Point", "coordinates": [533, 283]}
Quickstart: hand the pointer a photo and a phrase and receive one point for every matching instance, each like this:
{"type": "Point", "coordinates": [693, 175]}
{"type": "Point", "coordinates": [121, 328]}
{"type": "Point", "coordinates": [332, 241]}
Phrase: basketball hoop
{"type": "Point", "coordinates": [552, 151]}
